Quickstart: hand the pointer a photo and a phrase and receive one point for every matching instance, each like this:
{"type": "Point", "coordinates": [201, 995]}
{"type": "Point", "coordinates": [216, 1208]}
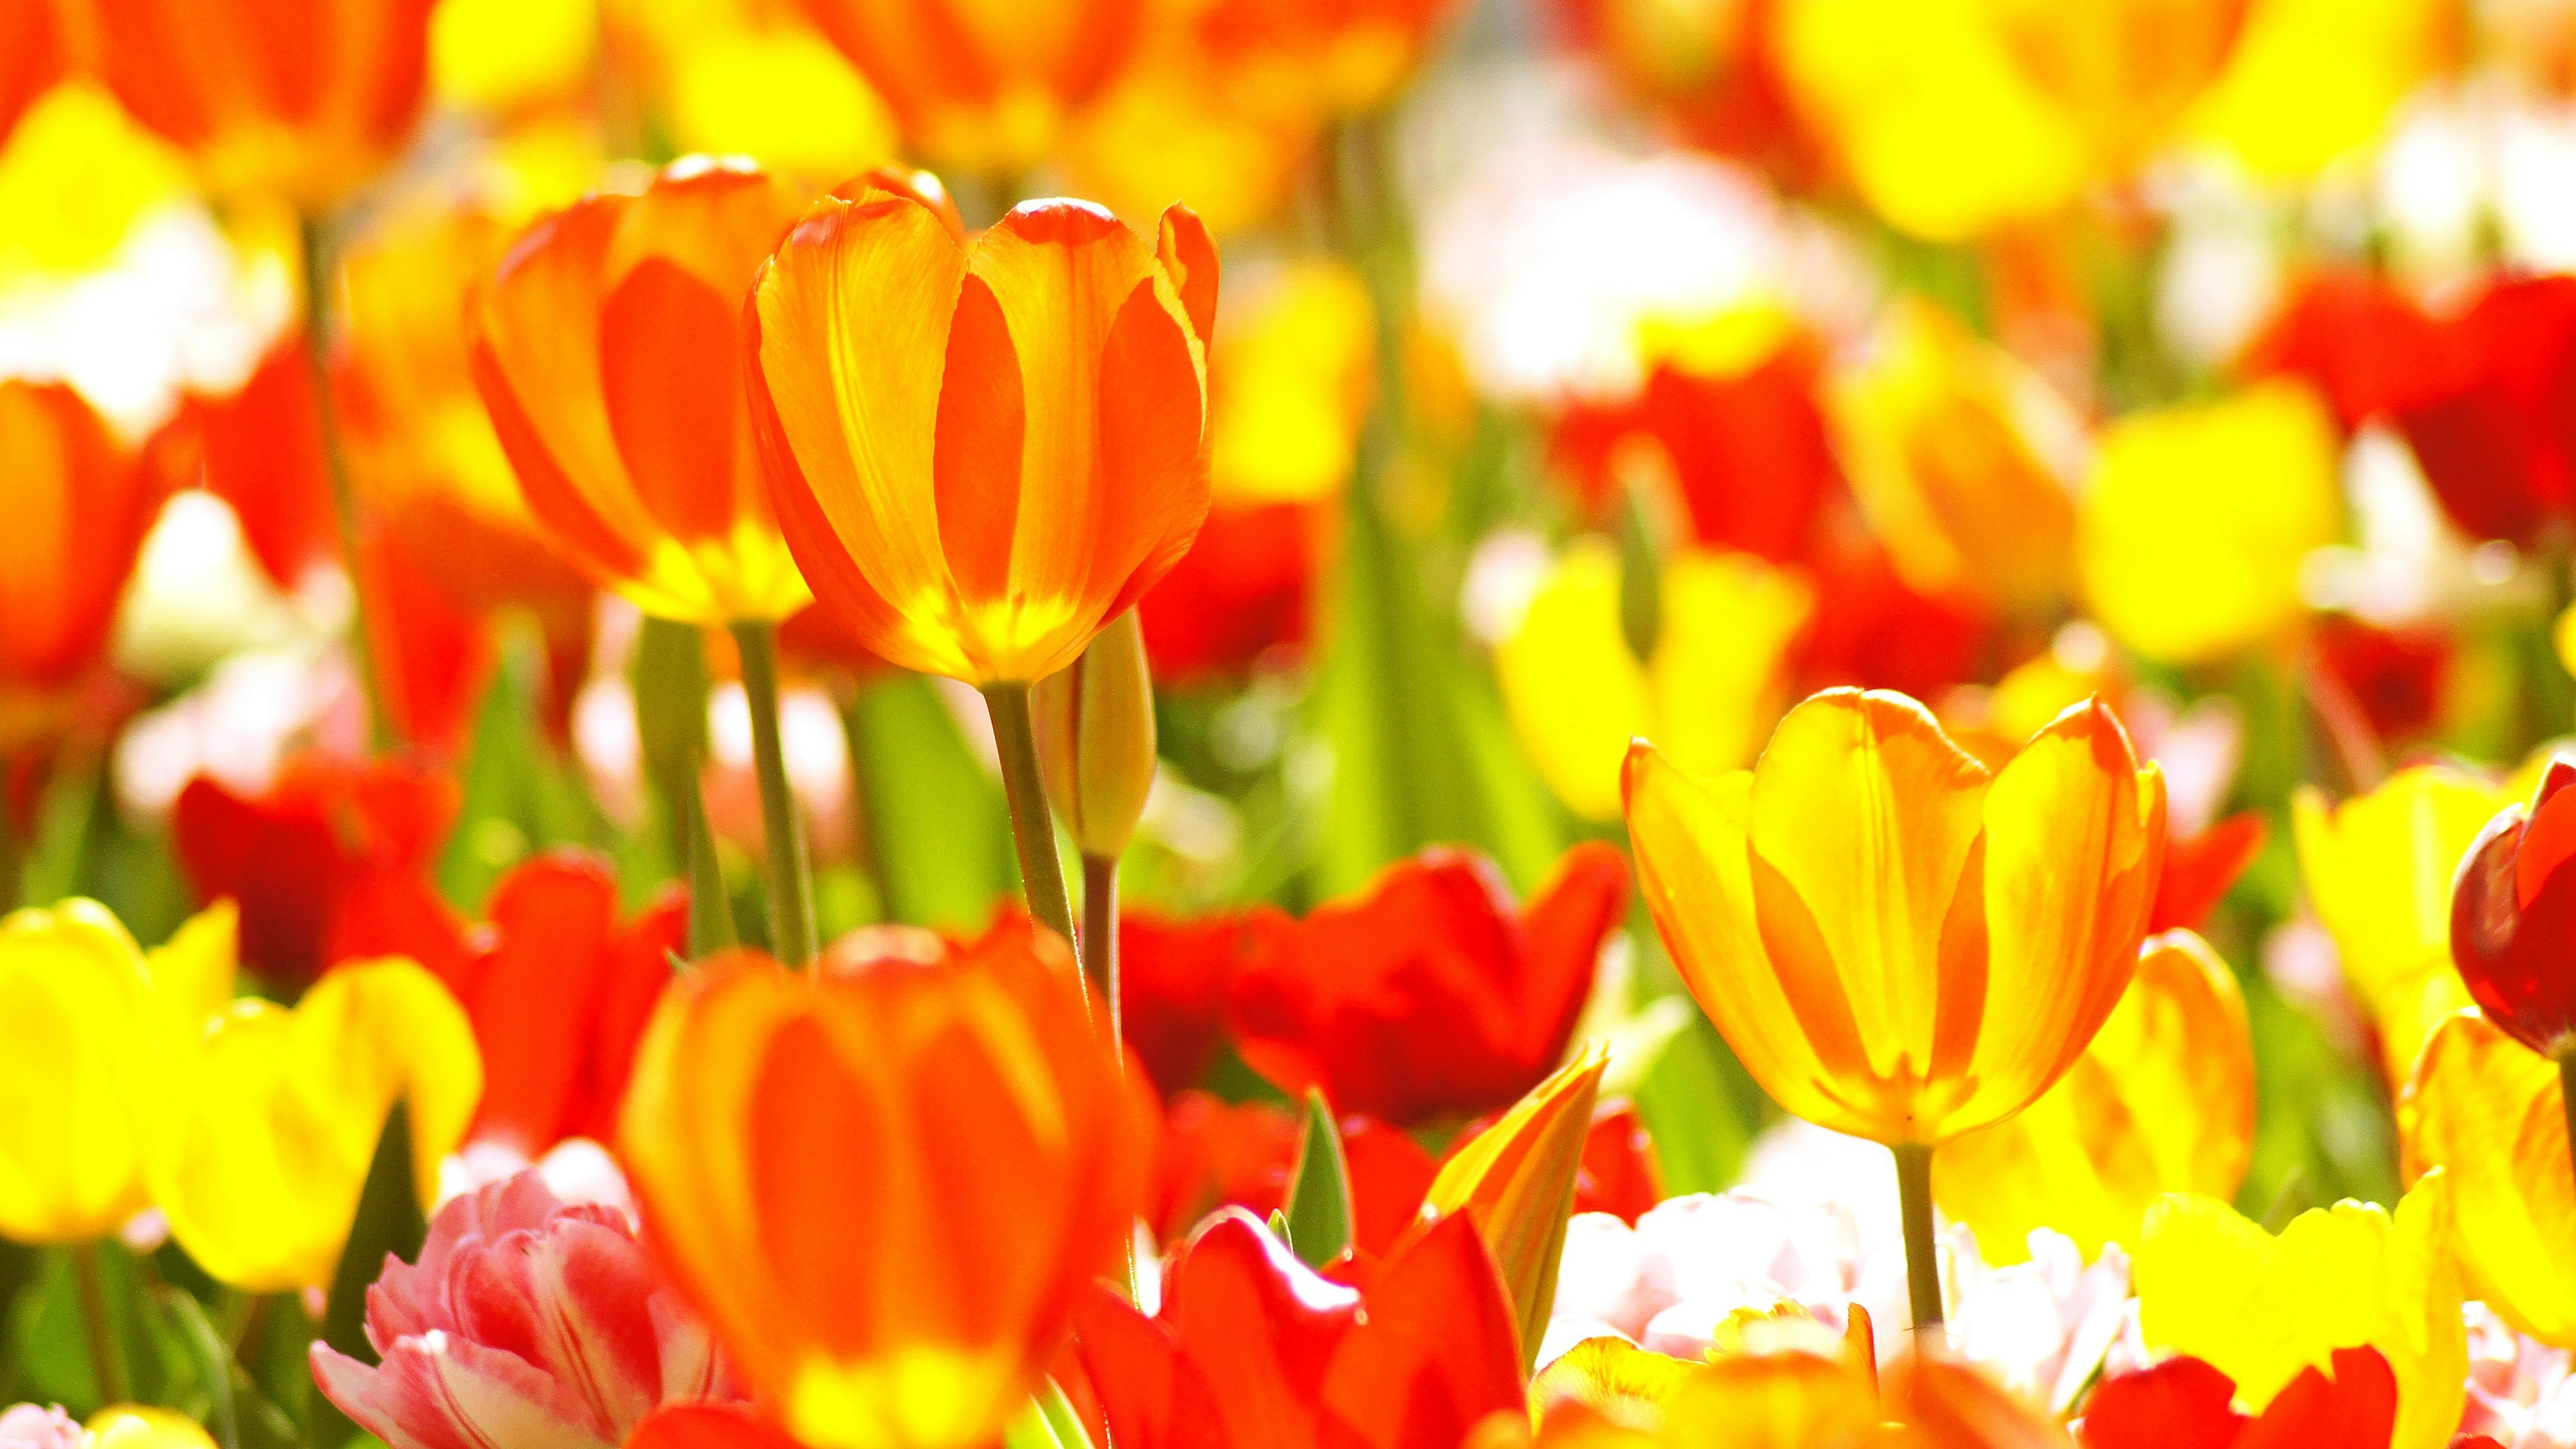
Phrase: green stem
{"type": "Point", "coordinates": [1922, 1257]}
{"type": "Point", "coordinates": [791, 878]}
{"type": "Point", "coordinates": [1032, 828]}
{"type": "Point", "coordinates": [344, 493]}
{"type": "Point", "coordinates": [2567, 1097]}
{"type": "Point", "coordinates": [106, 1355]}
{"type": "Point", "coordinates": [710, 906]}
{"type": "Point", "coordinates": [1100, 937]}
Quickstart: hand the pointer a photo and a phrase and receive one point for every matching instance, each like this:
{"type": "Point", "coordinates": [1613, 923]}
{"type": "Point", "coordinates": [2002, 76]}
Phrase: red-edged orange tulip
{"type": "Point", "coordinates": [1898, 943]}
{"type": "Point", "coordinates": [605, 348]}
{"type": "Point", "coordinates": [983, 85]}
{"type": "Point", "coordinates": [1019, 451]}
{"type": "Point", "coordinates": [297, 99]}
{"type": "Point", "coordinates": [887, 1181]}
{"type": "Point", "coordinates": [78, 504]}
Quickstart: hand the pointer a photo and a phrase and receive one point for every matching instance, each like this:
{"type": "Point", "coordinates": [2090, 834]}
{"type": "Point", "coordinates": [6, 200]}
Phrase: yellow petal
{"type": "Point", "coordinates": [1772, 1401]}
{"type": "Point", "coordinates": [1290, 382]}
{"type": "Point", "coordinates": [75, 1031]}
{"type": "Point", "coordinates": [1575, 693]}
{"type": "Point", "coordinates": [192, 972]}
{"type": "Point", "coordinates": [782, 93]}
{"type": "Point", "coordinates": [140, 1426]}
{"type": "Point", "coordinates": [2161, 1102]}
{"type": "Point", "coordinates": [1611, 1377]}
{"type": "Point", "coordinates": [1728, 622]}
{"type": "Point", "coordinates": [1516, 1179]}
{"type": "Point", "coordinates": [2199, 516]}
{"type": "Point", "coordinates": [2315, 80]}
{"type": "Point", "coordinates": [275, 1114]}
{"type": "Point", "coordinates": [2488, 1112]}
{"type": "Point", "coordinates": [2259, 1308]}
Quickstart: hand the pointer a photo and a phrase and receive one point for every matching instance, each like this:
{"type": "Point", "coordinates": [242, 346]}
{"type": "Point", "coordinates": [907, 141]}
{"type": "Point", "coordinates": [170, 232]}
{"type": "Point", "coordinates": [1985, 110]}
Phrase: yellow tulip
{"type": "Point", "coordinates": [274, 1114]}
{"type": "Point", "coordinates": [2488, 1112]}
{"type": "Point", "coordinates": [2162, 1101]}
{"type": "Point", "coordinates": [2198, 518]}
{"type": "Point", "coordinates": [1954, 451]}
{"type": "Point", "coordinates": [1898, 943]}
{"type": "Point", "coordinates": [1516, 1180]}
{"type": "Point", "coordinates": [141, 1426]}
{"type": "Point", "coordinates": [2313, 81]}
{"type": "Point", "coordinates": [2260, 1308]}
{"type": "Point", "coordinates": [76, 1032]}
{"type": "Point", "coordinates": [75, 177]}
{"type": "Point", "coordinates": [1577, 695]}
{"type": "Point", "coordinates": [1290, 380]}
{"type": "Point", "coordinates": [509, 55]}
{"type": "Point", "coordinates": [2378, 869]}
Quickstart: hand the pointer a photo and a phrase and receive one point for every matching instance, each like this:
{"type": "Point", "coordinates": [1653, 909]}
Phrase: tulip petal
{"type": "Point", "coordinates": [1438, 1350]}
{"type": "Point", "coordinates": [1262, 1328]}
{"type": "Point", "coordinates": [670, 380]}
{"type": "Point", "coordinates": [2487, 1111]}
{"type": "Point", "coordinates": [1182, 245]}
{"type": "Point", "coordinates": [442, 1391]}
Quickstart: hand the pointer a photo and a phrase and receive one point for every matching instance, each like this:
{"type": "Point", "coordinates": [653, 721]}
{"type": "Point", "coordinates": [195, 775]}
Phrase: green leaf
{"type": "Point", "coordinates": [935, 820]}
{"type": "Point", "coordinates": [521, 795]}
{"type": "Point", "coordinates": [213, 1364]}
{"type": "Point", "coordinates": [388, 1221]}
{"type": "Point", "coordinates": [1701, 1109]}
{"type": "Point", "coordinates": [1318, 1203]}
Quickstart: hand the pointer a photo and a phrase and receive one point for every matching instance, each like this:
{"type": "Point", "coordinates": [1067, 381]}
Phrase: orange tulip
{"type": "Point", "coordinates": [605, 350]}
{"type": "Point", "coordinates": [1017, 453]}
{"type": "Point", "coordinates": [295, 99]}
{"type": "Point", "coordinates": [983, 85]}
{"type": "Point", "coordinates": [1898, 943]}
{"type": "Point", "coordinates": [31, 56]}
{"type": "Point", "coordinates": [78, 504]}
{"type": "Point", "coordinates": [886, 1182]}
{"type": "Point", "coordinates": [421, 447]}
{"type": "Point", "coordinates": [1316, 60]}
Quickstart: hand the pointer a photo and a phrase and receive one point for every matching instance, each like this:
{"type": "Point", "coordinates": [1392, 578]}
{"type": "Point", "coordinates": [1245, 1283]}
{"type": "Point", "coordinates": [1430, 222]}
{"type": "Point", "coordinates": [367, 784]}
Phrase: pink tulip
{"type": "Point", "coordinates": [526, 1322]}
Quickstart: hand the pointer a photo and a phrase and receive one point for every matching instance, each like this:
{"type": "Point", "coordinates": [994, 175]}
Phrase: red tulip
{"type": "Point", "coordinates": [708, 1426]}
{"type": "Point", "coordinates": [2513, 917]}
{"type": "Point", "coordinates": [2184, 1403]}
{"type": "Point", "coordinates": [1173, 977]}
{"type": "Point", "coordinates": [1245, 588]}
{"type": "Point", "coordinates": [2201, 869]}
{"type": "Point", "coordinates": [263, 455]}
{"type": "Point", "coordinates": [31, 56]}
{"type": "Point", "coordinates": [2396, 675]}
{"type": "Point", "coordinates": [2363, 342]}
{"type": "Point", "coordinates": [1216, 1155]}
{"type": "Point", "coordinates": [79, 504]}
{"type": "Point", "coordinates": [1432, 994]}
{"type": "Point", "coordinates": [1618, 1175]}
{"type": "Point", "coordinates": [331, 863]}
{"type": "Point", "coordinates": [1749, 455]}
{"type": "Point", "coordinates": [1254, 1350]}
{"type": "Point", "coordinates": [1871, 631]}
{"type": "Point", "coordinates": [2494, 421]}
{"type": "Point", "coordinates": [433, 659]}
{"type": "Point", "coordinates": [559, 992]}
{"type": "Point", "coordinates": [525, 1322]}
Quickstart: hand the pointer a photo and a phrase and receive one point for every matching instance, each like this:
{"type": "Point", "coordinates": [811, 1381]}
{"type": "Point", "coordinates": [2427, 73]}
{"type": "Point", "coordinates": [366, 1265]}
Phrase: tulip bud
{"type": "Point", "coordinates": [2510, 908]}
{"type": "Point", "coordinates": [1095, 728]}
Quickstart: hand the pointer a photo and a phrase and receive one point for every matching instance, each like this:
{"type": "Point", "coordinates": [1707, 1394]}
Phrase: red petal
{"type": "Point", "coordinates": [1260, 1326]}
{"type": "Point", "coordinates": [2182, 1403]}
{"type": "Point", "coordinates": [2356, 1410]}
{"type": "Point", "coordinates": [1618, 1175]}
{"type": "Point", "coordinates": [2200, 870]}
{"type": "Point", "coordinates": [536, 993]}
{"type": "Point", "coordinates": [1440, 1349]}
{"type": "Point", "coordinates": [707, 1426]}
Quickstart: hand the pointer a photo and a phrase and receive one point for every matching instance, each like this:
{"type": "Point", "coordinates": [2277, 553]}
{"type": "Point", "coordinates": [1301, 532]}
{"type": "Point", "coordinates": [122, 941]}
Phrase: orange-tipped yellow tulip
{"type": "Point", "coordinates": [2489, 1113]}
{"type": "Point", "coordinates": [1018, 450]}
{"type": "Point", "coordinates": [2379, 869]}
{"type": "Point", "coordinates": [76, 1029]}
{"type": "Point", "coordinates": [2259, 1308]}
{"type": "Point", "coordinates": [300, 102]}
{"type": "Point", "coordinates": [2162, 1101]}
{"type": "Point", "coordinates": [607, 351]}
{"type": "Point", "coordinates": [886, 1182]}
{"type": "Point", "coordinates": [1899, 944]}
{"type": "Point", "coordinates": [271, 1118]}
{"type": "Point", "coordinates": [983, 85]}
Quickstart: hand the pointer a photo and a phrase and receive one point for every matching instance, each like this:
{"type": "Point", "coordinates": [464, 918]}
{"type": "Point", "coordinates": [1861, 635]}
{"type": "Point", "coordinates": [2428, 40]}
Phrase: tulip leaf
{"type": "Point", "coordinates": [214, 1364]}
{"type": "Point", "coordinates": [1047, 1422]}
{"type": "Point", "coordinates": [1700, 1109]}
{"type": "Point", "coordinates": [1318, 1203]}
{"type": "Point", "coordinates": [935, 821]}
{"type": "Point", "coordinates": [522, 795]}
{"type": "Point", "coordinates": [389, 1221]}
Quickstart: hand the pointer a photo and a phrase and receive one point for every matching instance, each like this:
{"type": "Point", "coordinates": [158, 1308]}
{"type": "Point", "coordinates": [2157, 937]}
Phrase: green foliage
{"type": "Point", "coordinates": [936, 824]}
{"type": "Point", "coordinates": [1318, 1207]}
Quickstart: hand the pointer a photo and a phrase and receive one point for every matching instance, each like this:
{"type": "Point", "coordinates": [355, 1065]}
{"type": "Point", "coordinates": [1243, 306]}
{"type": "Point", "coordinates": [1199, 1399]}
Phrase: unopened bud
{"type": "Point", "coordinates": [1095, 736]}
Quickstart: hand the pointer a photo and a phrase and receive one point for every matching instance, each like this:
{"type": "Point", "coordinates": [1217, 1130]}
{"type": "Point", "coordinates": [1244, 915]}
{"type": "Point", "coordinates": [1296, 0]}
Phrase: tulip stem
{"type": "Point", "coordinates": [1922, 1256]}
{"type": "Point", "coordinates": [1100, 936]}
{"type": "Point", "coordinates": [710, 907]}
{"type": "Point", "coordinates": [791, 877]}
{"type": "Point", "coordinates": [106, 1355]}
{"type": "Point", "coordinates": [2567, 1098]}
{"type": "Point", "coordinates": [1032, 828]}
{"type": "Point", "coordinates": [335, 457]}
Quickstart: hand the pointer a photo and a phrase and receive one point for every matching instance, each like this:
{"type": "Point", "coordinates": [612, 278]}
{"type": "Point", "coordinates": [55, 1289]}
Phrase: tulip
{"type": "Point", "coordinates": [1291, 381]}
{"type": "Point", "coordinates": [1709, 66]}
{"type": "Point", "coordinates": [604, 348]}
{"type": "Point", "coordinates": [31, 57]}
{"type": "Point", "coordinates": [80, 503]}
{"type": "Point", "coordinates": [1218, 1155]}
{"type": "Point", "coordinates": [273, 1117]}
{"type": "Point", "coordinates": [25, 1426]}
{"type": "Point", "coordinates": [2312, 82]}
{"type": "Point", "coordinates": [1871, 630]}
{"type": "Point", "coordinates": [524, 1321]}
{"type": "Point", "coordinates": [2356, 337]}
{"type": "Point", "coordinates": [559, 992]}
{"type": "Point", "coordinates": [2162, 1101]}
{"type": "Point", "coordinates": [1310, 62]}
{"type": "Point", "coordinates": [2485, 408]}
{"type": "Point", "coordinates": [1431, 994]}
{"type": "Point", "coordinates": [1252, 1347]}
{"type": "Point", "coordinates": [1620, 1175]}
{"type": "Point", "coordinates": [2185, 1402]}
{"type": "Point", "coordinates": [302, 109]}
{"type": "Point", "coordinates": [422, 449]}
{"type": "Point", "coordinates": [1959, 458]}
{"type": "Point", "coordinates": [980, 88]}
{"type": "Point", "coordinates": [886, 1182]}
{"type": "Point", "coordinates": [1094, 724]}
{"type": "Point", "coordinates": [2378, 869]}
{"type": "Point", "coordinates": [263, 452]}
{"type": "Point", "coordinates": [2488, 1114]}
{"type": "Point", "coordinates": [1746, 453]}
{"type": "Point", "coordinates": [1244, 592]}
{"type": "Point", "coordinates": [1072, 381]}
{"type": "Point", "coordinates": [1172, 984]}
{"type": "Point", "coordinates": [2198, 518]}
{"type": "Point", "coordinates": [331, 862]}
{"type": "Point", "coordinates": [1948, 974]}
{"type": "Point", "coordinates": [1577, 693]}
{"type": "Point", "coordinates": [78, 1027]}
{"type": "Point", "coordinates": [141, 1426]}
{"type": "Point", "coordinates": [2260, 1308]}
{"type": "Point", "coordinates": [2509, 918]}
{"type": "Point", "coordinates": [2200, 869]}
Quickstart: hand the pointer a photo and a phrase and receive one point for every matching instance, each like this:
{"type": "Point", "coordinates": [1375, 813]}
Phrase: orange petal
{"type": "Point", "coordinates": [1181, 244]}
